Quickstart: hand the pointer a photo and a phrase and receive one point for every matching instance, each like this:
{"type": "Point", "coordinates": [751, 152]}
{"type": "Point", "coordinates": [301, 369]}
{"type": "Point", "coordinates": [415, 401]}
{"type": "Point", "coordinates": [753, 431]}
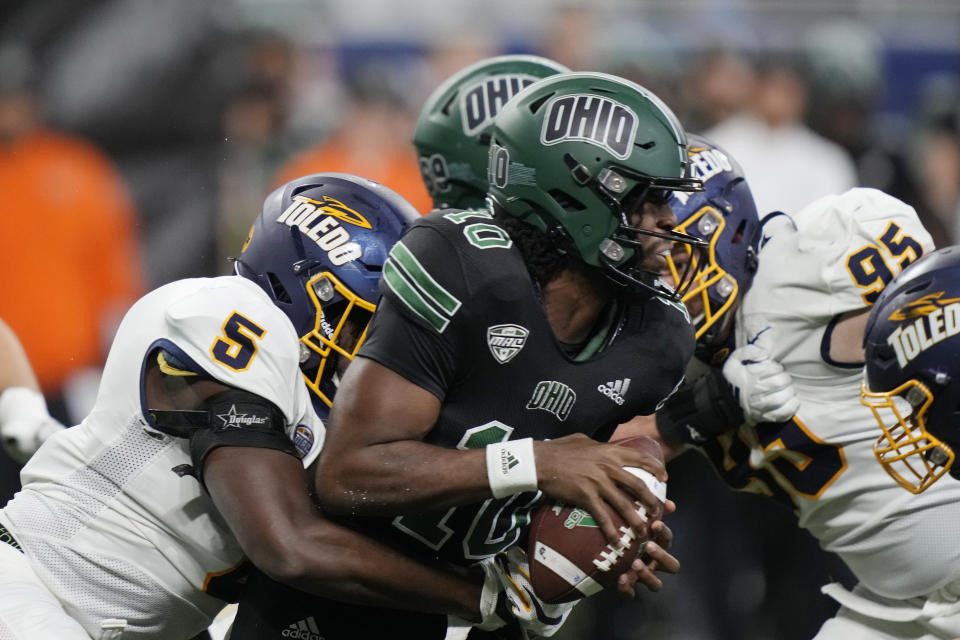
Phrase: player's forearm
{"type": "Point", "coordinates": [262, 494]}
{"type": "Point", "coordinates": [400, 477]}
{"type": "Point", "coordinates": [338, 563]}
{"type": "Point", "coordinates": [647, 426]}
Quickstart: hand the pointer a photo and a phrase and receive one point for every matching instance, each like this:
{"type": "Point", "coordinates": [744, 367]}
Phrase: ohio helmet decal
{"type": "Point", "coordinates": [480, 103]}
{"type": "Point", "coordinates": [594, 119]}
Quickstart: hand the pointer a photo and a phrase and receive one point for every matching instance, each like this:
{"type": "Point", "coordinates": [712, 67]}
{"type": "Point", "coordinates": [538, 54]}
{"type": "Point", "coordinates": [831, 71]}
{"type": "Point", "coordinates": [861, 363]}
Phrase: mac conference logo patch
{"type": "Point", "coordinates": [506, 340]}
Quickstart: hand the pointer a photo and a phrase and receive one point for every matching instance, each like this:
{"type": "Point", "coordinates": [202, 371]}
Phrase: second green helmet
{"type": "Point", "coordinates": [452, 133]}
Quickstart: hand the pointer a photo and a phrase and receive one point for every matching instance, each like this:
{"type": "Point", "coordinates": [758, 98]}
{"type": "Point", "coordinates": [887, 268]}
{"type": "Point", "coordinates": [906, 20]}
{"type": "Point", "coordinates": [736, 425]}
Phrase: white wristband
{"type": "Point", "coordinates": [21, 402]}
{"type": "Point", "coordinates": [511, 468]}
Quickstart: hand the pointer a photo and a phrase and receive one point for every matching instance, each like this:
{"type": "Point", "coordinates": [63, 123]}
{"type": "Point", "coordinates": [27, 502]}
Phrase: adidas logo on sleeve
{"type": "Point", "coordinates": [615, 390]}
{"type": "Point", "coordinates": [305, 629]}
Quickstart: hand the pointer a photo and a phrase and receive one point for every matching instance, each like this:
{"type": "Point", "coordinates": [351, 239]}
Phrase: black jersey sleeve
{"type": "Point", "coordinates": [409, 349]}
{"type": "Point", "coordinates": [417, 328]}
{"type": "Point", "coordinates": [424, 274]}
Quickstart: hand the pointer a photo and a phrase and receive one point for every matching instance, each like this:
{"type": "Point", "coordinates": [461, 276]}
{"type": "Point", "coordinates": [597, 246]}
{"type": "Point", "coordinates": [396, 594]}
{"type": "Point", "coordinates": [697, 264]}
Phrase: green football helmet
{"type": "Point", "coordinates": [571, 153]}
{"type": "Point", "coordinates": [452, 134]}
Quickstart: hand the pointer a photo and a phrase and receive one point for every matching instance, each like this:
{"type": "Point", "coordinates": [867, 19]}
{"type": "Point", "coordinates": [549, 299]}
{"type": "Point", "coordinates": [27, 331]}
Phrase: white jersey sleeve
{"type": "Point", "coordinates": [836, 258]}
{"type": "Point", "coordinates": [231, 330]}
{"type": "Point", "coordinates": [109, 516]}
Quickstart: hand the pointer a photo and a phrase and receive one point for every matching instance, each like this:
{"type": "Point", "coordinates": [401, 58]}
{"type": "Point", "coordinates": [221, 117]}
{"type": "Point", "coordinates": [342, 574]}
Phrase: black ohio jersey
{"type": "Point", "coordinates": [461, 317]}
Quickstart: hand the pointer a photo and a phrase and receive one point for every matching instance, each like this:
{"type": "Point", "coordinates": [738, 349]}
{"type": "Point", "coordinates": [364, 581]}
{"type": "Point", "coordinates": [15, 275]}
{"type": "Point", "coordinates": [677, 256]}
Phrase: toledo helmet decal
{"type": "Point", "coordinates": [320, 222]}
{"type": "Point", "coordinates": [925, 322]}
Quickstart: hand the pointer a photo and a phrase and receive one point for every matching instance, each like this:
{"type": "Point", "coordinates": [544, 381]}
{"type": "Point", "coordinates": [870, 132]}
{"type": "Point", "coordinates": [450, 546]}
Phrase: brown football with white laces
{"type": "Point", "coordinates": [570, 557]}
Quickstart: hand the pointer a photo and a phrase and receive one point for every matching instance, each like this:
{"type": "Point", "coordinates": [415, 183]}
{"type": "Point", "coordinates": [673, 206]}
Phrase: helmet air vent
{"type": "Point", "coordinates": [738, 234]}
{"type": "Point", "coordinates": [536, 104]}
{"type": "Point", "coordinates": [279, 292]}
{"type": "Point", "coordinates": [566, 201]}
{"type": "Point", "coordinates": [445, 109]}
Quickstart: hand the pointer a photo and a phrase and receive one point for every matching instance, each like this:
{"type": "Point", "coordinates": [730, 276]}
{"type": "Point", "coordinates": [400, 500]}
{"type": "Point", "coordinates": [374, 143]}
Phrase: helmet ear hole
{"type": "Point", "coordinates": [885, 355]}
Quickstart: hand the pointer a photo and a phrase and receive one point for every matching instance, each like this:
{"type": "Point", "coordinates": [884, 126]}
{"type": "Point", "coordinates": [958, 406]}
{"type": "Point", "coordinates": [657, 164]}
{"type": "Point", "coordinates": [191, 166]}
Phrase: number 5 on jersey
{"type": "Point", "coordinates": [237, 345]}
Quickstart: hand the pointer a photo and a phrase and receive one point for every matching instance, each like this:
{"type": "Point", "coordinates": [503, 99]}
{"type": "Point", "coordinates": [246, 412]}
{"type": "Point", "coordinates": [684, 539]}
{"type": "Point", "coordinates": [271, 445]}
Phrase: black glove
{"type": "Point", "coordinates": [699, 411]}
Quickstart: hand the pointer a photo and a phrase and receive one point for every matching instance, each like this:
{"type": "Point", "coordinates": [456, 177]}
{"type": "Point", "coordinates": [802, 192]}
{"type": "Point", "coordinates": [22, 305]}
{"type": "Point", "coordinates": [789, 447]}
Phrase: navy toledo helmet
{"type": "Point", "coordinates": [912, 384]}
{"type": "Point", "coordinates": [318, 249]}
{"type": "Point", "coordinates": [725, 216]}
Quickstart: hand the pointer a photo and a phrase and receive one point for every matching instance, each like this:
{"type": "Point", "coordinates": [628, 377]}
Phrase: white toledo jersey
{"type": "Point", "coordinates": [837, 258]}
{"type": "Point", "coordinates": [107, 516]}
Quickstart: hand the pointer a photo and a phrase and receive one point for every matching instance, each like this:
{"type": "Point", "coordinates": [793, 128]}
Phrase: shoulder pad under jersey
{"type": "Point", "coordinates": [231, 330]}
{"type": "Point", "coordinates": [447, 258]}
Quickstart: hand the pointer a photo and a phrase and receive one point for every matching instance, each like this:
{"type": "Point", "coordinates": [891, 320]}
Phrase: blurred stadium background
{"type": "Point", "coordinates": [204, 106]}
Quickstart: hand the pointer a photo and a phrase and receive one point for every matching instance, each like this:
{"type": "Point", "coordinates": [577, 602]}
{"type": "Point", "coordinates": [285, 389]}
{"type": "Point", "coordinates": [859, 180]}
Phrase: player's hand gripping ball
{"type": "Point", "coordinates": [570, 557]}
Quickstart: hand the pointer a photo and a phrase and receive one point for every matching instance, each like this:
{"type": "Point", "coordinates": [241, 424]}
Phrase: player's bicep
{"type": "Point", "coordinates": [410, 350]}
{"type": "Point", "coordinates": [376, 422]}
{"type": "Point", "coordinates": [262, 494]}
{"type": "Point", "coordinates": [377, 405]}
{"type": "Point", "coordinates": [207, 413]}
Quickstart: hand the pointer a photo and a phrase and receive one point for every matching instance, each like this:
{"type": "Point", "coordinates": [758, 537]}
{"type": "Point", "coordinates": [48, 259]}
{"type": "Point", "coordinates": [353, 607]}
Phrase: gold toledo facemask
{"type": "Point", "coordinates": [912, 456]}
{"type": "Point", "coordinates": [325, 339]}
{"type": "Point", "coordinates": [708, 223]}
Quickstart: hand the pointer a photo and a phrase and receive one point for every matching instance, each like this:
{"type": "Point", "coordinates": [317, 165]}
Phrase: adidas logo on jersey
{"type": "Point", "coordinates": [305, 629]}
{"type": "Point", "coordinates": [615, 390]}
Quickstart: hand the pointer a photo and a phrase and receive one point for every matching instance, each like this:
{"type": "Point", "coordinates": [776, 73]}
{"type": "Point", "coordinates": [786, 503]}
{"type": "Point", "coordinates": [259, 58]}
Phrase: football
{"type": "Point", "coordinates": [570, 557]}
